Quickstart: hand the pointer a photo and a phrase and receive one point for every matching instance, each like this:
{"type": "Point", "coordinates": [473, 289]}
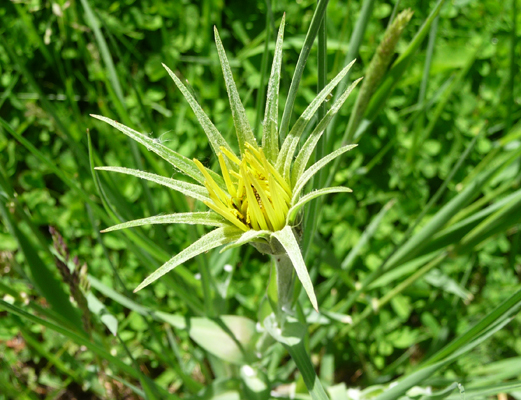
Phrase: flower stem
{"type": "Point", "coordinates": [284, 269]}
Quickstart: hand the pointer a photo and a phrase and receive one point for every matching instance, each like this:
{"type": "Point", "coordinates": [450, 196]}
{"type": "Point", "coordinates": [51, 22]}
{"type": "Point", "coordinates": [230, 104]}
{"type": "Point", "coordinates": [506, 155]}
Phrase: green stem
{"type": "Point", "coordinates": [284, 269]}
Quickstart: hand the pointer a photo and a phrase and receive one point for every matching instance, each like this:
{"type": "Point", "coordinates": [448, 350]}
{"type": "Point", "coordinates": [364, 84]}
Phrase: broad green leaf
{"type": "Point", "coordinates": [293, 211]}
{"type": "Point", "coordinates": [401, 271]}
{"type": "Point", "coordinates": [287, 239]}
{"type": "Point", "coordinates": [195, 191]}
{"type": "Point", "coordinates": [211, 240]}
{"type": "Point", "coordinates": [308, 174]}
{"type": "Point", "coordinates": [247, 237]}
{"type": "Point", "coordinates": [338, 392]}
{"type": "Point", "coordinates": [214, 136]}
{"type": "Point", "coordinates": [291, 142]}
{"type": "Point", "coordinates": [194, 218]}
{"type": "Point", "coordinates": [240, 120]}
{"type": "Point", "coordinates": [229, 337]}
{"type": "Point", "coordinates": [307, 149]}
{"type": "Point", "coordinates": [291, 336]}
{"type": "Point", "coordinates": [270, 134]}
{"type": "Point", "coordinates": [441, 394]}
{"type": "Point", "coordinates": [256, 384]}
{"type": "Point", "coordinates": [117, 297]}
{"type": "Point", "coordinates": [453, 233]}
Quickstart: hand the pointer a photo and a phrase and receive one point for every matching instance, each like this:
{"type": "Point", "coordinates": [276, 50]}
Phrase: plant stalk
{"type": "Point", "coordinates": [284, 269]}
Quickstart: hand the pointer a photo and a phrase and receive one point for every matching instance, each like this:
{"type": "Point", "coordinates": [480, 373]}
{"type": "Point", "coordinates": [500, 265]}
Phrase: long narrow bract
{"type": "Point", "coordinates": [195, 191]}
{"type": "Point", "coordinates": [307, 149]}
{"type": "Point", "coordinates": [270, 134]}
{"type": "Point", "coordinates": [308, 174]}
{"type": "Point", "coordinates": [192, 218]}
{"type": "Point", "coordinates": [291, 142]}
{"type": "Point", "coordinates": [288, 240]}
{"type": "Point", "coordinates": [242, 125]}
{"type": "Point", "coordinates": [215, 138]}
{"type": "Point", "coordinates": [211, 240]}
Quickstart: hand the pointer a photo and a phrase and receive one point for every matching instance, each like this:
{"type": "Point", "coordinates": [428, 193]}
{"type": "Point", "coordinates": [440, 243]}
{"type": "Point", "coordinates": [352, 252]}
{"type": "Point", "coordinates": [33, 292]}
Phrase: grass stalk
{"type": "Point", "coordinates": [312, 33]}
{"type": "Point", "coordinates": [311, 217]}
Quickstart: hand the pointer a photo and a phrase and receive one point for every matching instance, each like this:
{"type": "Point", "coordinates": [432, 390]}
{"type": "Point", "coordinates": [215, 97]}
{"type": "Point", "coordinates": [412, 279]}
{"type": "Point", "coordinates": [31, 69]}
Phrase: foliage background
{"type": "Point", "coordinates": [54, 72]}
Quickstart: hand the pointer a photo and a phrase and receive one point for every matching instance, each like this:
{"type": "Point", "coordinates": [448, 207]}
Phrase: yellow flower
{"type": "Point", "coordinates": [257, 195]}
{"type": "Point", "coordinates": [257, 198]}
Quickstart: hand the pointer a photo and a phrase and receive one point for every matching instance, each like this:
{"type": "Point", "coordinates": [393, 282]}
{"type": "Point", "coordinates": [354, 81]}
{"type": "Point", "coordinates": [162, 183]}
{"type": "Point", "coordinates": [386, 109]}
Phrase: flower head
{"type": "Point", "coordinates": [257, 197]}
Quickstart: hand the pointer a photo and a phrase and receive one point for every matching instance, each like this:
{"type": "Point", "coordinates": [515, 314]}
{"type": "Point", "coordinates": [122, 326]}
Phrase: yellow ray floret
{"type": "Point", "coordinates": [257, 196]}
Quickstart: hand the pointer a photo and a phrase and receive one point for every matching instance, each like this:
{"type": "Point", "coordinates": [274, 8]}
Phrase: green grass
{"type": "Point", "coordinates": [417, 272]}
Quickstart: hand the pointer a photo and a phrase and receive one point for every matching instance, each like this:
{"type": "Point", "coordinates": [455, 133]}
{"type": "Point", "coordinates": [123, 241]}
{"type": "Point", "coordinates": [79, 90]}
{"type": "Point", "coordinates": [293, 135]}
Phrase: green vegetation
{"type": "Point", "coordinates": [417, 272]}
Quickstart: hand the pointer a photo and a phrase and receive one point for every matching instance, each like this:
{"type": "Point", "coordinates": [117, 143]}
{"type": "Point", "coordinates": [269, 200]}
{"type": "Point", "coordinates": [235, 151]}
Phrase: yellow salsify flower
{"type": "Point", "coordinates": [257, 197]}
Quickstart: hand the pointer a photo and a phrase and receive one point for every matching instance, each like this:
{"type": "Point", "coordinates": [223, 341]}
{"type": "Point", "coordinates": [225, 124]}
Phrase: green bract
{"type": "Point", "coordinates": [258, 198]}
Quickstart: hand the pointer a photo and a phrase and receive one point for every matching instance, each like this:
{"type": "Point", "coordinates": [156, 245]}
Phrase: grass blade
{"type": "Point", "coordinates": [311, 34]}
{"type": "Point", "coordinates": [291, 336]}
{"type": "Point", "coordinates": [41, 275]}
